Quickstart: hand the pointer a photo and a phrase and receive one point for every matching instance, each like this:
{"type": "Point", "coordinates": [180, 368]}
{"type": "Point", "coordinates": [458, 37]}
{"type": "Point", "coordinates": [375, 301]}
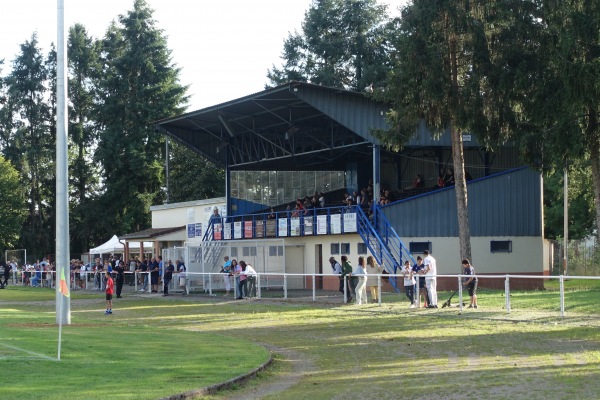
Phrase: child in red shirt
{"type": "Point", "coordinates": [110, 288]}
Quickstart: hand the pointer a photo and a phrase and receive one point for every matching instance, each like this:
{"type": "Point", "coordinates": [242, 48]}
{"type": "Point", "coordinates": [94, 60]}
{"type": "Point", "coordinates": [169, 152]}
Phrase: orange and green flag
{"type": "Point", "coordinates": [63, 287]}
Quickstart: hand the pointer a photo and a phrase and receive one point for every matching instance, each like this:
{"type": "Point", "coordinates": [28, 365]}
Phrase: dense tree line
{"type": "Point", "coordinates": [513, 70]}
{"type": "Point", "coordinates": [118, 85]}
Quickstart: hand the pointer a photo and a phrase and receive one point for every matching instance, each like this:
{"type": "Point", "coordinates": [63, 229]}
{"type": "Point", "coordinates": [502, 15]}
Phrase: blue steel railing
{"type": "Point", "coordinates": [390, 238]}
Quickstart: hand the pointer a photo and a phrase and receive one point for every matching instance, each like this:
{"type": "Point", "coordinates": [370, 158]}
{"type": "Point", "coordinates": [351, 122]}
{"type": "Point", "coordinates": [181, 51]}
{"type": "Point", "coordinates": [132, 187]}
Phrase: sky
{"type": "Point", "coordinates": [224, 48]}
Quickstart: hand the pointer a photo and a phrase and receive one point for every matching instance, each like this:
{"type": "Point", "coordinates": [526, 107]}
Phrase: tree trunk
{"type": "Point", "coordinates": [594, 145]}
{"type": "Point", "coordinates": [460, 187]}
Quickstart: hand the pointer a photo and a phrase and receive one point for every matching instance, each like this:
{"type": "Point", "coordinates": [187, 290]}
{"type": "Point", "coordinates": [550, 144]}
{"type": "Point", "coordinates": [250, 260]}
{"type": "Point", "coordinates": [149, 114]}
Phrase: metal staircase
{"type": "Point", "coordinates": [383, 242]}
{"type": "Point", "coordinates": [212, 250]}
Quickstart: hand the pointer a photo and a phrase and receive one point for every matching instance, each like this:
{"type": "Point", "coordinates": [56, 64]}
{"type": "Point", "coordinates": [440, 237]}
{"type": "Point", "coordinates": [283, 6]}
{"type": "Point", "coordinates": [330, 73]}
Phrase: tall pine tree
{"type": "Point", "coordinates": [138, 85]}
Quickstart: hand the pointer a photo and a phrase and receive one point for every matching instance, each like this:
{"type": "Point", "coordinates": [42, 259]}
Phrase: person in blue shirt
{"type": "Point", "coordinates": [470, 282]}
{"type": "Point", "coordinates": [418, 267]}
{"type": "Point", "coordinates": [227, 272]}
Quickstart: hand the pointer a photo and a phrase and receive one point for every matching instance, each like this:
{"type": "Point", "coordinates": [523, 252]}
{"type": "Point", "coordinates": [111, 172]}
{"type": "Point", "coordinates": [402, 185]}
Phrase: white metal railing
{"type": "Point", "coordinates": [276, 280]}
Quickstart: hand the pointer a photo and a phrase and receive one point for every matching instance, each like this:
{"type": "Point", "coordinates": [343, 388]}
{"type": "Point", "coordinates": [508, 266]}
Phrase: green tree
{"type": "Point", "coordinates": [13, 208]}
{"type": "Point", "coordinates": [138, 85]}
{"type": "Point", "coordinates": [581, 203]}
{"type": "Point", "coordinates": [30, 142]}
{"type": "Point", "coordinates": [192, 177]}
{"type": "Point", "coordinates": [343, 44]}
{"type": "Point", "coordinates": [564, 91]}
{"type": "Point", "coordinates": [452, 70]}
{"type": "Point", "coordinates": [83, 172]}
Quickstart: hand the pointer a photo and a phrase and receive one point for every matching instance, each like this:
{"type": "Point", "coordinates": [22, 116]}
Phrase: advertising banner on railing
{"type": "Point", "coordinates": [217, 231]}
{"type": "Point", "coordinates": [336, 223]}
{"type": "Point", "coordinates": [227, 231]}
{"type": "Point", "coordinates": [283, 226]}
{"type": "Point", "coordinates": [259, 229]}
{"type": "Point", "coordinates": [271, 228]}
{"type": "Point", "coordinates": [295, 226]}
{"type": "Point", "coordinates": [321, 224]}
{"type": "Point", "coordinates": [247, 229]}
{"type": "Point", "coordinates": [237, 230]}
{"type": "Point", "coordinates": [349, 222]}
{"type": "Point", "coordinates": [309, 225]}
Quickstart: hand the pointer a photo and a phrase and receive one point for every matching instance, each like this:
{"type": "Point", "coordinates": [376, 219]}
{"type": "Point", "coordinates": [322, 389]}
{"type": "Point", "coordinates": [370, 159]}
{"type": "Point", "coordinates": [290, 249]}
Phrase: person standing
{"type": "Point", "coordinates": [154, 274]}
{"type": "Point", "coordinates": [346, 276]}
{"type": "Point", "coordinates": [361, 288]}
{"type": "Point", "coordinates": [182, 276]}
{"type": "Point", "coordinates": [470, 282]}
{"type": "Point", "coordinates": [372, 284]}
{"type": "Point", "coordinates": [7, 268]}
{"type": "Point", "coordinates": [409, 283]}
{"type": "Point", "coordinates": [430, 272]}
{"type": "Point", "coordinates": [417, 268]}
{"type": "Point", "coordinates": [110, 287]}
{"type": "Point", "coordinates": [243, 280]}
{"type": "Point", "coordinates": [226, 271]}
{"type": "Point", "coordinates": [337, 269]}
{"type": "Point", "coordinates": [251, 274]}
{"type": "Point", "coordinates": [120, 271]}
{"type": "Point", "coordinates": [167, 277]}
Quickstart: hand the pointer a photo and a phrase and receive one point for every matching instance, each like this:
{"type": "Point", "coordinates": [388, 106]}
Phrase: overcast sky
{"type": "Point", "coordinates": [224, 47]}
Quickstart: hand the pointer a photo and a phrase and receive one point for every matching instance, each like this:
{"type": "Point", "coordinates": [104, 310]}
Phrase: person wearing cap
{"type": "Point", "coordinates": [337, 269]}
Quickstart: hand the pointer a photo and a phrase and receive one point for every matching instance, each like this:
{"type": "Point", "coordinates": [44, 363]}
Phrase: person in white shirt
{"type": "Point", "coordinates": [361, 287]}
{"type": "Point", "coordinates": [430, 272]}
{"type": "Point", "coordinates": [251, 274]}
{"type": "Point", "coordinates": [409, 283]}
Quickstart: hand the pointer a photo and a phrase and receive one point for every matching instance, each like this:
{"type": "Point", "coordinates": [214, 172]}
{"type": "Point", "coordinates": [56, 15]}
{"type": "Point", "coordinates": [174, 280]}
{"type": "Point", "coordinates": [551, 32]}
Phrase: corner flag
{"type": "Point", "coordinates": [64, 287]}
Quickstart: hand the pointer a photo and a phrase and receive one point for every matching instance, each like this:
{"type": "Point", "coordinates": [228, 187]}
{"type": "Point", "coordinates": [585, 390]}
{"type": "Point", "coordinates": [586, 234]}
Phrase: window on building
{"type": "Point", "coordinates": [234, 252]}
{"type": "Point", "coordinates": [335, 248]}
{"type": "Point", "coordinates": [345, 248]}
{"type": "Point", "coordinates": [501, 246]}
{"type": "Point", "coordinates": [361, 248]}
{"type": "Point", "coordinates": [419, 247]}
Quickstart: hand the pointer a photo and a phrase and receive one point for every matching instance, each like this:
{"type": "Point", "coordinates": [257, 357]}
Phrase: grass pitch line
{"type": "Point", "coordinates": [29, 352]}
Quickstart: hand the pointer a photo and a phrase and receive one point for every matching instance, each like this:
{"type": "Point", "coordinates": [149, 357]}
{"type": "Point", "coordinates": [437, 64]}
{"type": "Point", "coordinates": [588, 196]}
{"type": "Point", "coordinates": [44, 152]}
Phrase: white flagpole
{"type": "Point", "coordinates": [63, 305]}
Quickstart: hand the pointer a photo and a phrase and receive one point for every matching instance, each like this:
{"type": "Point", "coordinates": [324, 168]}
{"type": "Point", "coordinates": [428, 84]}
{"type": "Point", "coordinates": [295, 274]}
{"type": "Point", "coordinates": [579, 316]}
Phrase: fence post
{"type": "Point", "coordinates": [285, 286]}
{"type": "Point", "coordinates": [562, 296]}
{"type": "Point", "coordinates": [460, 296]}
{"type": "Point", "coordinates": [379, 289]}
{"type": "Point", "coordinates": [314, 287]}
{"type": "Point", "coordinates": [418, 294]}
{"type": "Point", "coordinates": [507, 293]}
{"type": "Point", "coordinates": [258, 294]}
{"type": "Point", "coordinates": [345, 290]}
{"type": "Point", "coordinates": [209, 284]}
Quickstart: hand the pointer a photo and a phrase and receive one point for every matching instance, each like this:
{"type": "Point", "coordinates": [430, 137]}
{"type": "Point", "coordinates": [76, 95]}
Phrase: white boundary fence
{"type": "Point", "coordinates": [264, 280]}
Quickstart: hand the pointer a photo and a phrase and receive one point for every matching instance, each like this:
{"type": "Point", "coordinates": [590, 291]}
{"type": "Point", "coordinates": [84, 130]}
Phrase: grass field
{"type": "Point", "coordinates": [153, 347]}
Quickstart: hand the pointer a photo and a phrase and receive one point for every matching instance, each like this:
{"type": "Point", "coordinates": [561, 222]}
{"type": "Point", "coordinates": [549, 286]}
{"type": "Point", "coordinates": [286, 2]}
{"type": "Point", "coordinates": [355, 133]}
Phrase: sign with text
{"type": "Point", "coordinates": [321, 224]}
{"type": "Point", "coordinates": [259, 229]}
{"type": "Point", "coordinates": [282, 227]}
{"type": "Point", "coordinates": [271, 228]}
{"type": "Point", "coordinates": [237, 230]}
{"type": "Point", "coordinates": [227, 231]}
{"type": "Point", "coordinates": [336, 223]}
{"type": "Point", "coordinates": [309, 225]}
{"type": "Point", "coordinates": [199, 229]}
{"type": "Point", "coordinates": [295, 226]}
{"type": "Point", "coordinates": [349, 222]}
{"type": "Point", "coordinates": [218, 231]}
{"type": "Point", "coordinates": [191, 231]}
{"type": "Point", "coordinates": [248, 229]}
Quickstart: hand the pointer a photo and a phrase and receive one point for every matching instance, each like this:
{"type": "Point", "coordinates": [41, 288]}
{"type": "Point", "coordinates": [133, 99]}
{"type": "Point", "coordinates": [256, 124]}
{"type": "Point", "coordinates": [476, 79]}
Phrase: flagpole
{"type": "Point", "coordinates": [63, 305]}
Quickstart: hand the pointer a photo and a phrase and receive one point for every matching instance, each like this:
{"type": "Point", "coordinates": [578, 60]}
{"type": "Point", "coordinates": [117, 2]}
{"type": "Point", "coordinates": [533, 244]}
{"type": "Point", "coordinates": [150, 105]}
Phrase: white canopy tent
{"type": "Point", "coordinates": [114, 246]}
